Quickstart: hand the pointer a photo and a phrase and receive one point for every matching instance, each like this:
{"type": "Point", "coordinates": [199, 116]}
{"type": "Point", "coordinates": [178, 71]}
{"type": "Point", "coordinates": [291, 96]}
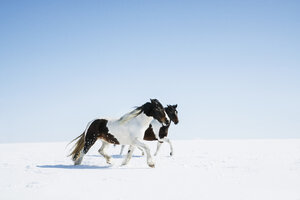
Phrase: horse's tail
{"type": "Point", "coordinates": [78, 146]}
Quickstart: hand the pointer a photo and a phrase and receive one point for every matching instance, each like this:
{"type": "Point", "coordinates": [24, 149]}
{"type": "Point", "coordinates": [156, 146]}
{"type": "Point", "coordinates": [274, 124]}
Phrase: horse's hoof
{"type": "Point", "coordinates": [152, 165]}
{"type": "Point", "coordinates": [171, 154]}
{"type": "Point", "coordinates": [109, 162]}
{"type": "Point", "coordinates": [77, 162]}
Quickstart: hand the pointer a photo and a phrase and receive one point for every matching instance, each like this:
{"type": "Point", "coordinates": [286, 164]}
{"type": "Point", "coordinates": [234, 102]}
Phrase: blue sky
{"type": "Point", "coordinates": [232, 67]}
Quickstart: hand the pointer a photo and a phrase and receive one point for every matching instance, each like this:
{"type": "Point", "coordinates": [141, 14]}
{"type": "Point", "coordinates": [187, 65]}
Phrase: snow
{"type": "Point", "coordinates": [199, 169]}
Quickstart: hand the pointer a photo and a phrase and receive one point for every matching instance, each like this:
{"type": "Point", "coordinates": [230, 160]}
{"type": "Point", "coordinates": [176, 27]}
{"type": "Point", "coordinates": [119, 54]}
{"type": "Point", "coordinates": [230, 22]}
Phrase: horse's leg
{"type": "Point", "coordinates": [147, 150]}
{"type": "Point", "coordinates": [141, 150]}
{"type": "Point", "coordinates": [171, 147]}
{"type": "Point", "coordinates": [158, 147]}
{"type": "Point", "coordinates": [88, 144]}
{"type": "Point", "coordinates": [129, 155]}
{"type": "Point", "coordinates": [122, 149]}
{"type": "Point", "coordinates": [103, 153]}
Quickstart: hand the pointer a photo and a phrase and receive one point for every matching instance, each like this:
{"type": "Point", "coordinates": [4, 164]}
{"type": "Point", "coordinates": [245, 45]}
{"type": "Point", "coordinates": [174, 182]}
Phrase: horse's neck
{"type": "Point", "coordinates": [156, 123]}
{"type": "Point", "coordinates": [142, 119]}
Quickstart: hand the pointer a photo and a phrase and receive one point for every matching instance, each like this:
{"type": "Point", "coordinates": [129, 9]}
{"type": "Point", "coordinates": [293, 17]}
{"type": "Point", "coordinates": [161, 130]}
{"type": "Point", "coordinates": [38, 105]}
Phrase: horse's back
{"type": "Point", "coordinates": [127, 132]}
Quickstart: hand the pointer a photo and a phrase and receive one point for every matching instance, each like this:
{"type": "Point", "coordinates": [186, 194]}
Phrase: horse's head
{"type": "Point", "coordinates": [155, 110]}
{"type": "Point", "coordinates": [172, 113]}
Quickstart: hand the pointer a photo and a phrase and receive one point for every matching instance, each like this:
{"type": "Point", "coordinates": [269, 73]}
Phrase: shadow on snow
{"type": "Point", "coordinates": [115, 156]}
{"type": "Point", "coordinates": [73, 166]}
{"type": "Point", "coordinates": [85, 166]}
{"type": "Point", "coordinates": [91, 167]}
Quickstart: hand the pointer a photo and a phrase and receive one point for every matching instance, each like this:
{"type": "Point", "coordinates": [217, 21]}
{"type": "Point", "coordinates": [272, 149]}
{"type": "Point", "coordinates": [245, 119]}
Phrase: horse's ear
{"type": "Point", "coordinates": [175, 106]}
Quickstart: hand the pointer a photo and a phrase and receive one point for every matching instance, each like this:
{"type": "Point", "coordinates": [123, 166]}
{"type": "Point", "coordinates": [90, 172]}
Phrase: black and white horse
{"type": "Point", "coordinates": [157, 131]}
{"type": "Point", "coordinates": [128, 130]}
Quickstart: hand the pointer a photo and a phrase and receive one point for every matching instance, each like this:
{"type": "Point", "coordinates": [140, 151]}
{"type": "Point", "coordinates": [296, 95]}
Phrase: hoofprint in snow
{"type": "Point", "coordinates": [199, 169]}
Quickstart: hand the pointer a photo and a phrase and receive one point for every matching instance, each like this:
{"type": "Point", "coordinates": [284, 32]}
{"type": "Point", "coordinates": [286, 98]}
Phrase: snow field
{"type": "Point", "coordinates": [199, 169]}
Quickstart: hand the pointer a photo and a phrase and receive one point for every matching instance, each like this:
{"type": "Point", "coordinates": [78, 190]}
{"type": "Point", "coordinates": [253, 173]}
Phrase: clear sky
{"type": "Point", "coordinates": [233, 67]}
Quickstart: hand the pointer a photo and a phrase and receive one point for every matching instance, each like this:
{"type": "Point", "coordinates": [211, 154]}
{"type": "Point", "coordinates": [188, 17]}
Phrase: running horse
{"type": "Point", "coordinates": [163, 130]}
{"type": "Point", "coordinates": [127, 130]}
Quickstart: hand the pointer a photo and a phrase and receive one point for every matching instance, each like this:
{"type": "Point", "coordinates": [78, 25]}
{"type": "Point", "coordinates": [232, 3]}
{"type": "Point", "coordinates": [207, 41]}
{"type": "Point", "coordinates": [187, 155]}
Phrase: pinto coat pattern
{"type": "Point", "coordinates": [128, 130]}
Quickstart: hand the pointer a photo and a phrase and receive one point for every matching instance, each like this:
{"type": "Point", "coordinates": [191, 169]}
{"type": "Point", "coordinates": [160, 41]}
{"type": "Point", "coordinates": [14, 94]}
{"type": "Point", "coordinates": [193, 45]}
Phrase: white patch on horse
{"type": "Point", "coordinates": [168, 118]}
{"type": "Point", "coordinates": [127, 132]}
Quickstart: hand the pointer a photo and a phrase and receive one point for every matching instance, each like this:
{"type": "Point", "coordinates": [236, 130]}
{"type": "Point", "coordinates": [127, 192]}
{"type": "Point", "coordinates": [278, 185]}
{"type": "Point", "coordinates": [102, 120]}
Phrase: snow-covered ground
{"type": "Point", "coordinates": [199, 169]}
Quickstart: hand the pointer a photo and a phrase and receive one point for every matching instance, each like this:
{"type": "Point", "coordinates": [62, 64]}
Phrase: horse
{"type": "Point", "coordinates": [159, 132]}
{"type": "Point", "coordinates": [127, 130]}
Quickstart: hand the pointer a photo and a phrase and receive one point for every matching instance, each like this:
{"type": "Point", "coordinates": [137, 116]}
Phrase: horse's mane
{"type": "Point", "coordinates": [129, 116]}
